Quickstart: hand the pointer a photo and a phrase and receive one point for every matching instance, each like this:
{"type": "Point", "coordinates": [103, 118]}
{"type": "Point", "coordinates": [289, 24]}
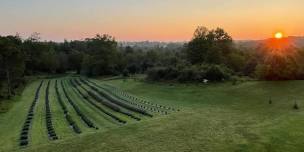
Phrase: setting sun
{"type": "Point", "coordinates": [278, 35]}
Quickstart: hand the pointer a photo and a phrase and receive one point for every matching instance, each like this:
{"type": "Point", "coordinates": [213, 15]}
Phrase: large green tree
{"type": "Point", "coordinates": [101, 56]}
{"type": "Point", "coordinates": [209, 46]}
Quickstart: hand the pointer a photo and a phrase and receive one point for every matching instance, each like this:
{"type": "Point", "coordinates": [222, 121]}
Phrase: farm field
{"type": "Point", "coordinates": [59, 109]}
{"type": "Point", "coordinates": [152, 76]}
{"type": "Point", "coordinates": [73, 114]}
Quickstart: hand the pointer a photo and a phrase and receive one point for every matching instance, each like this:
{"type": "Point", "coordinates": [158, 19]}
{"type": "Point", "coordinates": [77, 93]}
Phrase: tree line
{"type": "Point", "coordinates": [210, 55]}
{"type": "Point", "coordinates": [100, 55]}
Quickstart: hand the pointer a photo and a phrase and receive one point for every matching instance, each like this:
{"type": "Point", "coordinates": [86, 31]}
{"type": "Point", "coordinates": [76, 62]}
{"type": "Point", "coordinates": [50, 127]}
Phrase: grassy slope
{"type": "Point", "coordinates": [12, 121]}
{"type": "Point", "coordinates": [217, 117]}
{"type": "Point", "coordinates": [5, 104]}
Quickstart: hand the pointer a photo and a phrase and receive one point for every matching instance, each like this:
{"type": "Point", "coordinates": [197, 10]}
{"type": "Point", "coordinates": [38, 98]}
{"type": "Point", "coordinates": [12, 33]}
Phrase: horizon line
{"type": "Point", "coordinates": [23, 37]}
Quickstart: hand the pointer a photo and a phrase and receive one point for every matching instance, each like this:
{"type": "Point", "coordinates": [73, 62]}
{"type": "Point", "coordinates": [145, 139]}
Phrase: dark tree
{"type": "Point", "coordinates": [11, 62]}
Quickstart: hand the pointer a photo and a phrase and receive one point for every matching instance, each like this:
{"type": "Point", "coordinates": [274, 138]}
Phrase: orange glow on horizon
{"type": "Point", "coordinates": [279, 45]}
{"type": "Point", "coordinates": [278, 35]}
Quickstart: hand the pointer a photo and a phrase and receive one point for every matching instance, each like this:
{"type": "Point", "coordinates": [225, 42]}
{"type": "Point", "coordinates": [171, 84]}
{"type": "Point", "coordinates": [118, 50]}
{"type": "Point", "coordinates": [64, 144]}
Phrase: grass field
{"type": "Point", "coordinates": [213, 117]}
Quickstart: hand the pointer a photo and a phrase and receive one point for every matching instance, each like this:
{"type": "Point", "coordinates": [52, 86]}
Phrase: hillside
{"type": "Point", "coordinates": [214, 117]}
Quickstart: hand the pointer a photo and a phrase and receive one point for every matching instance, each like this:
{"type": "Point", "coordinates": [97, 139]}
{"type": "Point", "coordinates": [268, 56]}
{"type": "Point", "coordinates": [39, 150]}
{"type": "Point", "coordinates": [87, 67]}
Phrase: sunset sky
{"type": "Point", "coordinates": [157, 20]}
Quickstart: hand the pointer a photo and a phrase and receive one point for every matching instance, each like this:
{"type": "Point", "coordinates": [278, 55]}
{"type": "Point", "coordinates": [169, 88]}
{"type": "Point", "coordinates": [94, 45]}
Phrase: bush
{"type": "Point", "coordinates": [216, 72]}
{"type": "Point", "coordinates": [125, 73]}
{"type": "Point", "coordinates": [210, 72]}
{"type": "Point", "coordinates": [156, 74]}
{"type": "Point", "coordinates": [296, 106]}
{"type": "Point", "coordinates": [24, 133]}
{"type": "Point", "coordinates": [23, 142]}
{"type": "Point", "coordinates": [23, 137]}
{"type": "Point", "coordinates": [191, 74]}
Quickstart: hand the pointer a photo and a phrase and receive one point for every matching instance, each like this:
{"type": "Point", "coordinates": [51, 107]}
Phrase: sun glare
{"type": "Point", "coordinates": [278, 35]}
{"type": "Point", "coordinates": [279, 43]}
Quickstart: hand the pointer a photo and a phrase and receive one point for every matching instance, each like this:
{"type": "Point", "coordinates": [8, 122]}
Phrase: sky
{"type": "Point", "coordinates": [154, 20]}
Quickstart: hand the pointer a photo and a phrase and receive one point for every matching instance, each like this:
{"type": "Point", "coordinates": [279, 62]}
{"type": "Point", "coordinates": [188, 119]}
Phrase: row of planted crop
{"type": "Point", "coordinates": [133, 100]}
{"type": "Point", "coordinates": [116, 100]}
{"type": "Point", "coordinates": [136, 99]}
{"type": "Point", "coordinates": [101, 95]}
{"type": "Point", "coordinates": [113, 102]}
{"type": "Point", "coordinates": [69, 118]}
{"type": "Point", "coordinates": [24, 135]}
{"type": "Point", "coordinates": [104, 101]}
{"type": "Point", "coordinates": [84, 118]}
{"type": "Point", "coordinates": [113, 92]}
{"type": "Point", "coordinates": [77, 86]}
{"type": "Point", "coordinates": [48, 116]}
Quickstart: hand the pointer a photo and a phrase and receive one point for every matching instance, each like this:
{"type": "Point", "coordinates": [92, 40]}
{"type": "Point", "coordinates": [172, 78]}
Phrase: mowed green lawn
{"type": "Point", "coordinates": [213, 117]}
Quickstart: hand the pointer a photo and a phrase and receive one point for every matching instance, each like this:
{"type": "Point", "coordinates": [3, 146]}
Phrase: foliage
{"type": "Point", "coordinates": [11, 65]}
{"type": "Point", "coordinates": [195, 73]}
{"type": "Point", "coordinates": [101, 58]}
{"type": "Point", "coordinates": [275, 66]}
{"type": "Point", "coordinates": [211, 54]}
{"type": "Point", "coordinates": [208, 46]}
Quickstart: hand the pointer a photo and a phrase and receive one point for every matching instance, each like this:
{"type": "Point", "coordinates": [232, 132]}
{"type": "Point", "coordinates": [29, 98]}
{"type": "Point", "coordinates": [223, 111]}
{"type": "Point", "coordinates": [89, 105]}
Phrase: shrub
{"type": "Point", "coordinates": [216, 72]}
{"type": "Point", "coordinates": [23, 137]}
{"type": "Point", "coordinates": [188, 74]}
{"type": "Point", "coordinates": [23, 142]}
{"type": "Point", "coordinates": [296, 106]}
{"type": "Point", "coordinates": [24, 133]}
{"type": "Point", "coordinates": [157, 73]}
{"type": "Point", "coordinates": [196, 73]}
{"type": "Point", "coordinates": [125, 73]}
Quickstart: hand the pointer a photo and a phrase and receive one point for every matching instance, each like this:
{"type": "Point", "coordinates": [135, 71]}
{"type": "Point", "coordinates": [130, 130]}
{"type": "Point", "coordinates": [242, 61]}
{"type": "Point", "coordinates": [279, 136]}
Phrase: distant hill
{"type": "Point", "coordinates": [153, 44]}
{"type": "Point", "coordinates": [293, 40]}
